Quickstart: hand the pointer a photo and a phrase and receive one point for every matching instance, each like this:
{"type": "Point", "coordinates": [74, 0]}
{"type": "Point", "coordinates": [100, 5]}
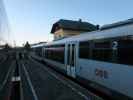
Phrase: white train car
{"type": "Point", "coordinates": [37, 48]}
{"type": "Point", "coordinates": [102, 59]}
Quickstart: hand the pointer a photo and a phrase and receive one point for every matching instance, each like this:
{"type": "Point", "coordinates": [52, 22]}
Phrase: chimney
{"type": "Point", "coordinates": [97, 26]}
{"type": "Point", "coordinates": [80, 20]}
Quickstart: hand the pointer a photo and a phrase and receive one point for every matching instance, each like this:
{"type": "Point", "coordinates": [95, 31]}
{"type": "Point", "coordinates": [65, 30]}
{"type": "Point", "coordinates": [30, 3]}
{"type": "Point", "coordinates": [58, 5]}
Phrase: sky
{"type": "Point", "coordinates": [32, 20]}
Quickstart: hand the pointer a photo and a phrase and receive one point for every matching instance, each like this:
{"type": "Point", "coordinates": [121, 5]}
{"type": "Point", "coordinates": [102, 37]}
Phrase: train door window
{"type": "Point", "coordinates": [68, 54]}
{"type": "Point", "coordinates": [73, 54]}
{"type": "Point", "coordinates": [125, 51]}
{"type": "Point", "coordinates": [84, 50]}
{"type": "Point", "coordinates": [102, 51]}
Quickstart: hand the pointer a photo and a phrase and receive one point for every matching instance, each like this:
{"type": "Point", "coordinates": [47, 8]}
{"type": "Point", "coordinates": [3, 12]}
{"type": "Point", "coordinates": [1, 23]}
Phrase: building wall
{"type": "Point", "coordinates": [58, 34]}
{"type": "Point", "coordinates": [71, 32]}
{"type": "Point", "coordinates": [65, 33]}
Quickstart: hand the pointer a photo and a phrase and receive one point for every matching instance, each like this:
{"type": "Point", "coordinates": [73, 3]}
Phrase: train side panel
{"type": "Point", "coordinates": [115, 77]}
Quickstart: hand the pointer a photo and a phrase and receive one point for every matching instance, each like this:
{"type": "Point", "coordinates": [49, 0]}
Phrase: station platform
{"type": "Point", "coordinates": [40, 82]}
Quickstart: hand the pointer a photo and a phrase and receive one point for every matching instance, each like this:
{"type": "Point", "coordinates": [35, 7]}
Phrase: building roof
{"type": "Point", "coordinates": [73, 25]}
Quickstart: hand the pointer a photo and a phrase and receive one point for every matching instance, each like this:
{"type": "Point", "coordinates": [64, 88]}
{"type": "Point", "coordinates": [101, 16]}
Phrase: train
{"type": "Point", "coordinates": [102, 59]}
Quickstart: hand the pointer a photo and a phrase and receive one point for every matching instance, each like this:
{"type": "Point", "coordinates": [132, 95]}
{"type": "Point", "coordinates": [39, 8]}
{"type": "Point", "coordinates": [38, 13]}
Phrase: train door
{"type": "Point", "coordinates": [71, 59]}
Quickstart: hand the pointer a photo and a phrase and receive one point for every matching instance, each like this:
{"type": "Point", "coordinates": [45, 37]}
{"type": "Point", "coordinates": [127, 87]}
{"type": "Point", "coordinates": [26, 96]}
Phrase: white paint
{"type": "Point", "coordinates": [30, 83]}
{"type": "Point", "coordinates": [16, 79]}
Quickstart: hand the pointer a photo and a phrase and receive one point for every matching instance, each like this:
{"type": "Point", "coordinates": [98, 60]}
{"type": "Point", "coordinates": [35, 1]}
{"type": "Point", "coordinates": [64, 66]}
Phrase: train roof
{"type": "Point", "coordinates": [117, 24]}
{"type": "Point", "coordinates": [38, 45]}
{"type": "Point", "coordinates": [124, 30]}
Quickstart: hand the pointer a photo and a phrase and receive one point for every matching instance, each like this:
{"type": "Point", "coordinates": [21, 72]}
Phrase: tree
{"type": "Point", "coordinates": [27, 46]}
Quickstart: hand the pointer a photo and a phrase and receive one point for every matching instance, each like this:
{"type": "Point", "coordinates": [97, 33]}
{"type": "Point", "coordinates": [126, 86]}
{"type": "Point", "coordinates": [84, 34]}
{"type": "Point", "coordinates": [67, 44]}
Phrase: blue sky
{"type": "Point", "coordinates": [31, 20]}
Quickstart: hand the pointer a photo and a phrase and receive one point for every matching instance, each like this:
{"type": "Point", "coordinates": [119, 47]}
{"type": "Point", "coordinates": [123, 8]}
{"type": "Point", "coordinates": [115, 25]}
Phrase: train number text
{"type": "Point", "coordinates": [101, 73]}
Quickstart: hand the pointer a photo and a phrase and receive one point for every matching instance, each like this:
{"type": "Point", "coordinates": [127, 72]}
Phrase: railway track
{"type": "Point", "coordinates": [23, 78]}
{"type": "Point", "coordinates": [7, 65]}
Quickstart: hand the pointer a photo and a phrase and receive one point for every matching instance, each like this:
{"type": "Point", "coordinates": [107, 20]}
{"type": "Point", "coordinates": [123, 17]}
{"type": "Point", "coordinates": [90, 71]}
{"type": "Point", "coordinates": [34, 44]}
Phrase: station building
{"type": "Point", "coordinates": [66, 28]}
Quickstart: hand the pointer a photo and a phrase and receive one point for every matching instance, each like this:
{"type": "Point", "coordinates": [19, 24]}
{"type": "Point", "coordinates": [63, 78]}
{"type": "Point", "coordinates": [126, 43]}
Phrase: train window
{"type": "Point", "coordinates": [102, 54]}
{"type": "Point", "coordinates": [105, 44]}
{"type": "Point", "coordinates": [125, 51]}
{"type": "Point", "coordinates": [102, 51]}
{"type": "Point", "coordinates": [56, 53]}
{"type": "Point", "coordinates": [84, 50]}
